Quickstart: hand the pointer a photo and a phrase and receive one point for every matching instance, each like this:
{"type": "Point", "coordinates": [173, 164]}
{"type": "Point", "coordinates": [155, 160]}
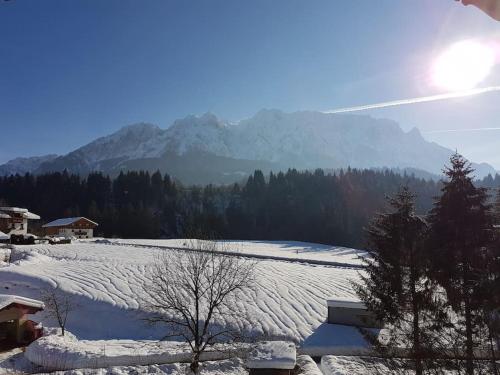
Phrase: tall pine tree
{"type": "Point", "coordinates": [396, 288]}
{"type": "Point", "coordinates": [496, 208]}
{"type": "Point", "coordinates": [460, 232]}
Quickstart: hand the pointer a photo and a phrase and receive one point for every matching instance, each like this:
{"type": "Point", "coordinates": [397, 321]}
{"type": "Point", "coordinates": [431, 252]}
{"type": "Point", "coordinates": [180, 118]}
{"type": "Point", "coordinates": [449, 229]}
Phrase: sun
{"type": "Point", "coordinates": [463, 65]}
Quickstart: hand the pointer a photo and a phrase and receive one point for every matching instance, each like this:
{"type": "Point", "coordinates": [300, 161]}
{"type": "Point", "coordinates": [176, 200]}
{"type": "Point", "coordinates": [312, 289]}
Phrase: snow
{"type": "Point", "coordinates": [280, 250]}
{"type": "Point", "coordinates": [340, 365]}
{"type": "Point", "coordinates": [55, 352]}
{"type": "Point", "coordinates": [303, 140]}
{"type": "Point", "coordinates": [8, 299]}
{"type": "Point", "coordinates": [361, 365]}
{"type": "Point", "coordinates": [66, 221]}
{"type": "Point", "coordinates": [336, 339]}
{"type": "Point", "coordinates": [227, 367]}
{"type": "Point", "coordinates": [31, 216]}
{"type": "Point", "coordinates": [25, 213]}
{"type": "Point", "coordinates": [13, 209]}
{"type": "Point", "coordinates": [4, 255]}
{"type": "Point", "coordinates": [273, 355]}
{"type": "Point", "coordinates": [348, 303]}
{"type": "Point", "coordinates": [105, 280]}
{"type": "Point", "coordinates": [3, 236]}
{"type": "Point", "coordinates": [307, 365]}
{"type": "Point", "coordinates": [22, 166]}
{"type": "Point", "coordinates": [135, 141]}
{"type": "Point", "coordinates": [13, 362]}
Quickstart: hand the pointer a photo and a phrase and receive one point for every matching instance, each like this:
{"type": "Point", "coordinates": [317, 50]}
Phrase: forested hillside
{"type": "Point", "coordinates": [306, 206]}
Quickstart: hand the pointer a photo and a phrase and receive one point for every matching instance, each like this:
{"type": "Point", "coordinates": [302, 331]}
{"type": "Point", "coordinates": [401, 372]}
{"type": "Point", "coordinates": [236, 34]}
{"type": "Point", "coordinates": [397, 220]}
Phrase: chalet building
{"type": "Point", "coordinates": [350, 312]}
{"type": "Point", "coordinates": [79, 227]}
{"type": "Point", "coordinates": [15, 328]}
{"type": "Point", "coordinates": [14, 220]}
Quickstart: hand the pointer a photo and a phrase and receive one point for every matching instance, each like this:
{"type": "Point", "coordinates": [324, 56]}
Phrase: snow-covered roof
{"type": "Point", "coordinates": [348, 303]}
{"type": "Point", "coordinates": [3, 236]}
{"type": "Point", "coordinates": [24, 211]}
{"type": "Point", "coordinates": [273, 355]}
{"type": "Point", "coordinates": [13, 209]}
{"type": "Point", "coordinates": [8, 299]}
{"type": "Point", "coordinates": [31, 216]}
{"type": "Point", "coordinates": [66, 221]}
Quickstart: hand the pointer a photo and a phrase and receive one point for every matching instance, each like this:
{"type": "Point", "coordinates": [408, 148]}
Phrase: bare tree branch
{"type": "Point", "coordinates": [191, 292]}
{"type": "Point", "coordinates": [59, 305]}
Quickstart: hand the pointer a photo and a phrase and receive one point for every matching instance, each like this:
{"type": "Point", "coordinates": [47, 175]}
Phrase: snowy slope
{"type": "Point", "coordinates": [204, 133]}
{"type": "Point", "coordinates": [23, 165]}
{"type": "Point", "coordinates": [131, 142]}
{"type": "Point", "coordinates": [106, 281]}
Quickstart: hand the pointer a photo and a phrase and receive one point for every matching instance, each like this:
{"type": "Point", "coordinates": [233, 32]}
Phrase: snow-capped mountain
{"type": "Point", "coordinates": [24, 165]}
{"type": "Point", "coordinates": [270, 140]}
{"type": "Point", "coordinates": [130, 142]}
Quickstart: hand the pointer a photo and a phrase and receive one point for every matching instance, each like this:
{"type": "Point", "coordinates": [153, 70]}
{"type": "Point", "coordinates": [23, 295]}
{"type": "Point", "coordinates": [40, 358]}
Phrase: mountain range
{"type": "Point", "coordinates": [205, 149]}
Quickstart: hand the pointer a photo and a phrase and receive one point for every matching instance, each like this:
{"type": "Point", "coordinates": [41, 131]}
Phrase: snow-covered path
{"type": "Point", "coordinates": [107, 282]}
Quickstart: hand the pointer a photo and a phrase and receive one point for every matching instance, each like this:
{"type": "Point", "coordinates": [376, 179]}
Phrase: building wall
{"type": "Point", "coordinates": [4, 225]}
{"type": "Point", "coordinates": [352, 317]}
{"type": "Point", "coordinates": [15, 225]}
{"type": "Point", "coordinates": [79, 233]}
{"type": "Point", "coordinates": [11, 313]}
{"type": "Point", "coordinates": [80, 229]}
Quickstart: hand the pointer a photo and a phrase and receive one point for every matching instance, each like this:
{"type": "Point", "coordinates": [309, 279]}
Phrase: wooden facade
{"type": "Point", "coordinates": [79, 227]}
{"type": "Point", "coordinates": [15, 328]}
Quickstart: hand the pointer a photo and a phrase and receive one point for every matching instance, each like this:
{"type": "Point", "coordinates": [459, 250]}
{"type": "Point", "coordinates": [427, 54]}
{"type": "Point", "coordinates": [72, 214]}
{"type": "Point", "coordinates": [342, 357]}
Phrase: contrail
{"type": "Point", "coordinates": [459, 130]}
{"type": "Point", "coordinates": [422, 99]}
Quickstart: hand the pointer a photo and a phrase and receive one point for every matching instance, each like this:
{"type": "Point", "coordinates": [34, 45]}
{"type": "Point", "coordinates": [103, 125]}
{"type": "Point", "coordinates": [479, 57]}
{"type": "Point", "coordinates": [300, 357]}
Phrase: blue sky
{"type": "Point", "coordinates": [71, 71]}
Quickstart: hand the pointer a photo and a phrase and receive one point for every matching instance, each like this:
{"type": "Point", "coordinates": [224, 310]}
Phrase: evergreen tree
{"type": "Point", "coordinates": [461, 228]}
{"type": "Point", "coordinates": [322, 207]}
{"type": "Point", "coordinates": [395, 288]}
{"type": "Point", "coordinates": [496, 208]}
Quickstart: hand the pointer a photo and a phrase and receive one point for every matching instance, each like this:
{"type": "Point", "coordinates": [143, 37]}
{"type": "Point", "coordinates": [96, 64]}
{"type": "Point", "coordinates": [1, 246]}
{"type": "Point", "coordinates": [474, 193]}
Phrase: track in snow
{"type": "Point", "coordinates": [107, 281]}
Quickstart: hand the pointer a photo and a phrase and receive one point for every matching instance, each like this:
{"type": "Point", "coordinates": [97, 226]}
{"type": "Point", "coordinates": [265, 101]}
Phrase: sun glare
{"type": "Point", "coordinates": [463, 66]}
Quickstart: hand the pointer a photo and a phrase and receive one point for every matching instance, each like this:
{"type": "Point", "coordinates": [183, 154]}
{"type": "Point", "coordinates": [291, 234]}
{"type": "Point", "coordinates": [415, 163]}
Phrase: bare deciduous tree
{"type": "Point", "coordinates": [191, 292]}
{"type": "Point", "coordinates": [59, 305]}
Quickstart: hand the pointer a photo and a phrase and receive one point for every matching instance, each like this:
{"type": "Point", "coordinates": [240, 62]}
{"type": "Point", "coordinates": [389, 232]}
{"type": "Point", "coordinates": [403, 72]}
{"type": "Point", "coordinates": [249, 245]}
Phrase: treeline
{"type": "Point", "coordinates": [435, 280]}
{"type": "Point", "coordinates": [305, 206]}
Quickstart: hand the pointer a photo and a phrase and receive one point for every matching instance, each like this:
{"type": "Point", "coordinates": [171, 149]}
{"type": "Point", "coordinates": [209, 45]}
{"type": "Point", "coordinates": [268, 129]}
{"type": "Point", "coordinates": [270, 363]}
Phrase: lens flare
{"type": "Point", "coordinates": [463, 66]}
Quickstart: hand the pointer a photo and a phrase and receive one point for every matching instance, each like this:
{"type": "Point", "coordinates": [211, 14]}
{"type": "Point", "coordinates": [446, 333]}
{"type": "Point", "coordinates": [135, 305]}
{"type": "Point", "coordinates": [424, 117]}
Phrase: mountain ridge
{"type": "Point", "coordinates": [269, 140]}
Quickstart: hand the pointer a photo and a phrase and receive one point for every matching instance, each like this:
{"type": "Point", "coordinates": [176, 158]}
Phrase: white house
{"type": "Point", "coordinates": [14, 220]}
{"type": "Point", "coordinates": [79, 227]}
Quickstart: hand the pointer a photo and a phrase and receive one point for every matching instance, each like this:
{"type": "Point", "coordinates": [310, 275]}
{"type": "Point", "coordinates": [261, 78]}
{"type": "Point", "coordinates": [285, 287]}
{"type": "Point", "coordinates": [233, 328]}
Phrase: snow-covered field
{"type": "Point", "coordinates": [106, 280]}
{"type": "Point", "coordinates": [291, 250]}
